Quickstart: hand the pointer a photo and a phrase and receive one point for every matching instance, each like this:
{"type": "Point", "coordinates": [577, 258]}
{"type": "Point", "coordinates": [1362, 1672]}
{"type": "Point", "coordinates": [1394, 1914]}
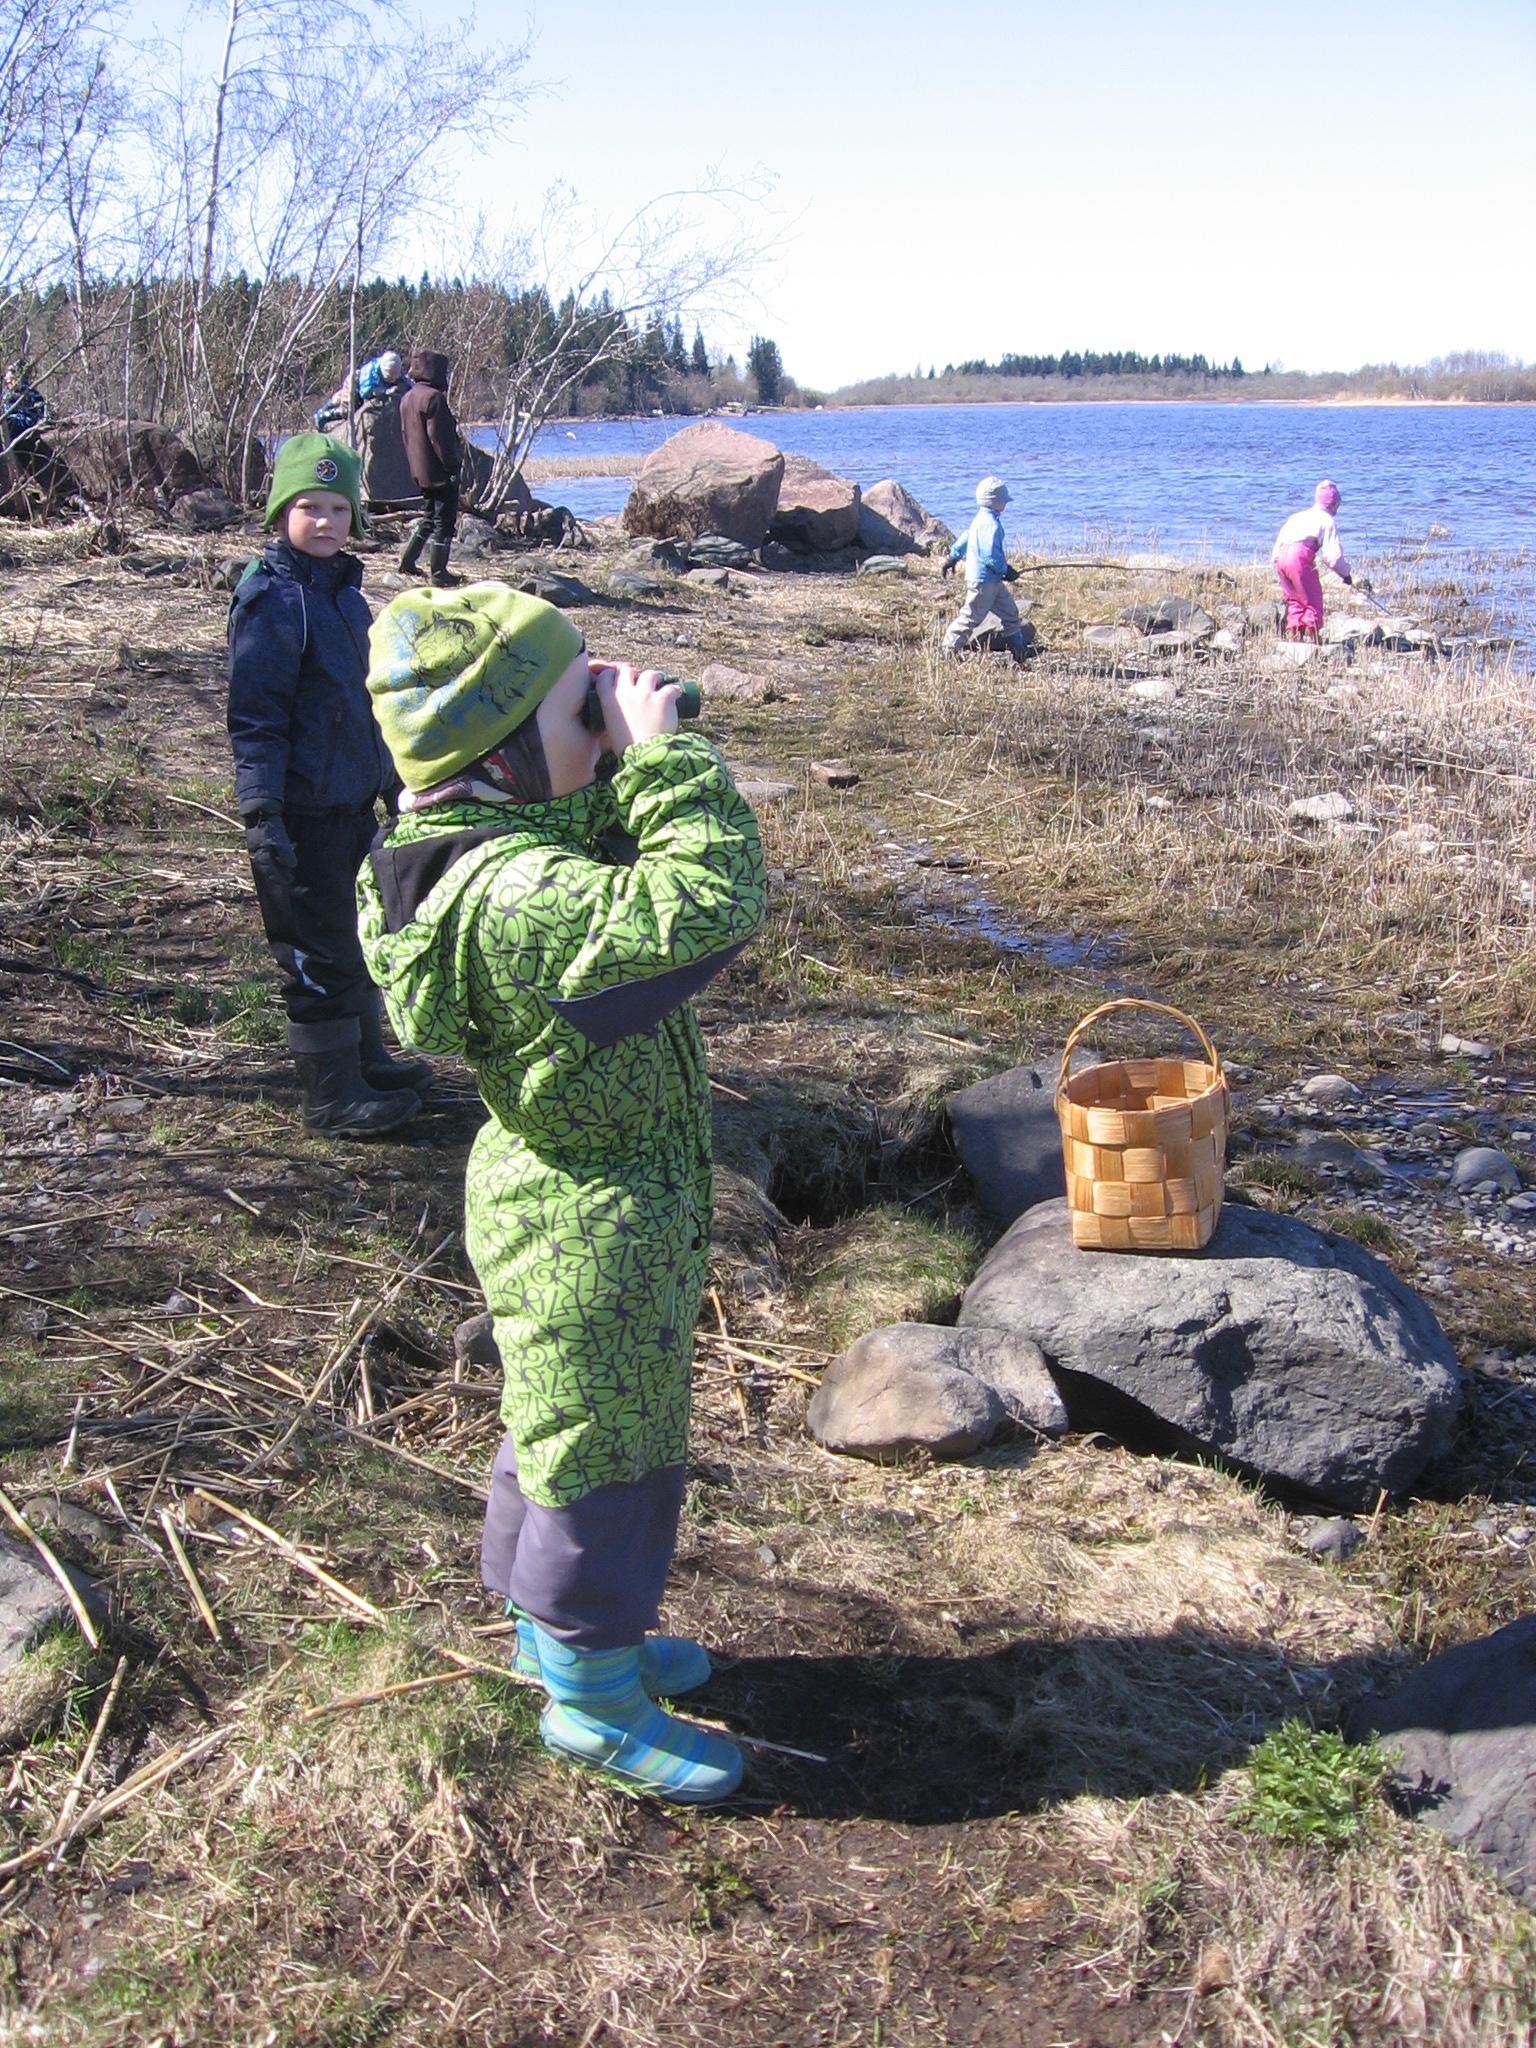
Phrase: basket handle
{"type": "Point", "coordinates": [1133, 1003]}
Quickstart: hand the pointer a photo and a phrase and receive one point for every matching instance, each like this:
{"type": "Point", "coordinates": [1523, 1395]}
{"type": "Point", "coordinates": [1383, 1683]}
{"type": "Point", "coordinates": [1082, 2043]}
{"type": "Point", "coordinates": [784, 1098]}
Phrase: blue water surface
{"type": "Point", "coordinates": [1449, 487]}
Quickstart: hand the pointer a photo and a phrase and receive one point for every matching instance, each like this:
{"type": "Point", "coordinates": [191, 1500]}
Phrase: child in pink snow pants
{"type": "Point", "coordinates": [1305, 539]}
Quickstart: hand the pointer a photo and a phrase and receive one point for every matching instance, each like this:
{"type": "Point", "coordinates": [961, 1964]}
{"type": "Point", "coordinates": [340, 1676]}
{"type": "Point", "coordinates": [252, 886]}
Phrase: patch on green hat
{"type": "Point", "coordinates": [454, 671]}
{"type": "Point", "coordinates": [315, 462]}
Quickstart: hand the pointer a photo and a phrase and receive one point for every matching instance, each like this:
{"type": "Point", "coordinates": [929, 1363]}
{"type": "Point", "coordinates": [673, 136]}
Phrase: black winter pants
{"type": "Point", "coordinates": [311, 922]}
{"type": "Point", "coordinates": [439, 516]}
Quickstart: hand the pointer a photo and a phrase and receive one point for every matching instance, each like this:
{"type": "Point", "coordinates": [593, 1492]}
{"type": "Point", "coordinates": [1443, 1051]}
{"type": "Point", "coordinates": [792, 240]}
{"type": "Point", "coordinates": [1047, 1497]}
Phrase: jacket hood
{"type": "Point", "coordinates": [408, 896]}
{"type": "Point", "coordinates": [428, 367]}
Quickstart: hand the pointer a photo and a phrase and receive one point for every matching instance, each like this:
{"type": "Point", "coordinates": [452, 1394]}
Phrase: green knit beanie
{"type": "Point", "coordinates": [314, 462]}
{"type": "Point", "coordinates": [454, 671]}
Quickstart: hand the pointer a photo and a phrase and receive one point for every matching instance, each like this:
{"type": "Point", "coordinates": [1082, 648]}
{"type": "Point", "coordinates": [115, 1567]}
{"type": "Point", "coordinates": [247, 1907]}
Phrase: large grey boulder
{"type": "Point", "coordinates": [1285, 1350]}
{"type": "Point", "coordinates": [1464, 1729]}
{"type": "Point", "coordinates": [1009, 1141]}
{"type": "Point", "coordinates": [915, 1386]}
{"type": "Point", "coordinates": [817, 512]}
{"type": "Point", "coordinates": [892, 522]}
{"type": "Point", "coordinates": [707, 479]}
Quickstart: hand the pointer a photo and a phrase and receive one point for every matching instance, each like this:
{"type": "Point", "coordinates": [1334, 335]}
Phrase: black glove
{"type": "Point", "coordinates": [1010, 574]}
{"type": "Point", "coordinates": [1346, 579]}
{"type": "Point", "coordinates": [270, 848]}
{"type": "Point", "coordinates": [944, 573]}
{"type": "Point", "coordinates": [1364, 585]}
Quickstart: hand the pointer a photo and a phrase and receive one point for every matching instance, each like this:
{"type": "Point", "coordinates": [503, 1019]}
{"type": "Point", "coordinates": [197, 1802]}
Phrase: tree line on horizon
{"type": "Point", "coordinates": [1126, 362]}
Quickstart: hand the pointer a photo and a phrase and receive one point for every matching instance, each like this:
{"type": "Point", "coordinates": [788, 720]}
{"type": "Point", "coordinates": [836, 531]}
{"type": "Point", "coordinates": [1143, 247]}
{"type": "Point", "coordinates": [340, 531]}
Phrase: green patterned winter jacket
{"type": "Point", "coordinates": [564, 974]}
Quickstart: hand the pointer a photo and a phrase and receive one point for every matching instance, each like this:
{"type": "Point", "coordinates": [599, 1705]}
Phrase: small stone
{"type": "Point", "coordinates": [1155, 690]}
{"type": "Point", "coordinates": [45, 1511]}
{"type": "Point", "coordinates": [720, 680]}
{"type": "Point", "coordinates": [624, 582]}
{"type": "Point", "coordinates": [1329, 1088]}
{"type": "Point", "coordinates": [764, 792]}
{"type": "Point", "coordinates": [1321, 810]}
{"type": "Point", "coordinates": [710, 579]}
{"type": "Point", "coordinates": [765, 1555]}
{"type": "Point", "coordinates": [835, 774]}
{"type": "Point", "coordinates": [1334, 1539]}
{"type": "Point", "coordinates": [1521, 1204]}
{"type": "Point", "coordinates": [1465, 1048]}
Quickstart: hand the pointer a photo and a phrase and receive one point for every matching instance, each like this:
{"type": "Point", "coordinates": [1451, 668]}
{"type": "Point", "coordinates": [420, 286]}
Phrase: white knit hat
{"type": "Point", "coordinates": [993, 492]}
{"type": "Point", "coordinates": [390, 363]}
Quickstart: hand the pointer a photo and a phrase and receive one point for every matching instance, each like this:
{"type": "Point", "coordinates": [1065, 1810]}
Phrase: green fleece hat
{"type": "Point", "coordinates": [314, 462]}
{"type": "Point", "coordinates": [454, 671]}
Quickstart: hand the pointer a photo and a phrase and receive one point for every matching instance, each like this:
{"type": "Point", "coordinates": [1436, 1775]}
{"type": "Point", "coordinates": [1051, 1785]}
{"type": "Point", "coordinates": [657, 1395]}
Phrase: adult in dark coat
{"type": "Point", "coordinates": [436, 455]}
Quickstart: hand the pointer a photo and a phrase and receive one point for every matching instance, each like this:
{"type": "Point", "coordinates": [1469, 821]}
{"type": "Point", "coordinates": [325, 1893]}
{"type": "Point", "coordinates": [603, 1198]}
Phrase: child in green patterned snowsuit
{"type": "Point", "coordinates": [501, 924]}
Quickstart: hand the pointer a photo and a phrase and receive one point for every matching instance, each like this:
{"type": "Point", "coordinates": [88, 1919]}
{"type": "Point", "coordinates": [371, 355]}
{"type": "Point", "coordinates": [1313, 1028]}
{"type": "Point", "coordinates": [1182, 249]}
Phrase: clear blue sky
{"type": "Point", "coordinates": [1353, 186]}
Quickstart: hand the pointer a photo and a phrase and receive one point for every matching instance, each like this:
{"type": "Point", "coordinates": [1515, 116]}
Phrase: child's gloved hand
{"type": "Point", "coordinates": [270, 848]}
{"type": "Point", "coordinates": [947, 571]}
{"type": "Point", "coordinates": [637, 704]}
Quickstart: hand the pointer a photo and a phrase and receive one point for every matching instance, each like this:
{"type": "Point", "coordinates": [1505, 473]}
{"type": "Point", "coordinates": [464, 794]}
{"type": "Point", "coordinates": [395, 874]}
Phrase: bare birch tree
{"type": "Point", "coordinates": [297, 165]}
{"type": "Point", "coordinates": [681, 252]}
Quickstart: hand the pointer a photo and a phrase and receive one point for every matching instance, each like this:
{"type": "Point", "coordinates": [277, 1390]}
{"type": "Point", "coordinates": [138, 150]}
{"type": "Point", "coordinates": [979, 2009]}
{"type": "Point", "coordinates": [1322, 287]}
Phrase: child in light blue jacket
{"type": "Point", "coordinates": [987, 574]}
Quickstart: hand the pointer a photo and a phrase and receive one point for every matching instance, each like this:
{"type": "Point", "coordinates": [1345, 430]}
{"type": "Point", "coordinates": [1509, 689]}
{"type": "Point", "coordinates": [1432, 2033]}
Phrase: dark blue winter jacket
{"type": "Point", "coordinates": [300, 722]}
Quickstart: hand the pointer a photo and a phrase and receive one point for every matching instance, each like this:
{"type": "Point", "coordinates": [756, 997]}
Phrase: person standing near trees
{"type": "Point", "coordinates": [382, 376]}
{"type": "Point", "coordinates": [23, 409]}
{"type": "Point", "coordinates": [309, 768]}
{"type": "Point", "coordinates": [1307, 538]}
{"type": "Point", "coordinates": [436, 456]}
{"type": "Point", "coordinates": [987, 574]}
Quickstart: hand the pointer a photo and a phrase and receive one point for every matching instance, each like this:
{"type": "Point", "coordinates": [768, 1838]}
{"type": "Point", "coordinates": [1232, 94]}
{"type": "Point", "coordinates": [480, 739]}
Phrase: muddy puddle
{"type": "Point", "coordinates": [935, 888]}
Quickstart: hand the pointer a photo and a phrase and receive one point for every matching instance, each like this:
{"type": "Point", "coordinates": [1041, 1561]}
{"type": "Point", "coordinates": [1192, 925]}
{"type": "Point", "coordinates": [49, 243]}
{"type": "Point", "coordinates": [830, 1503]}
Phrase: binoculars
{"type": "Point", "coordinates": [688, 704]}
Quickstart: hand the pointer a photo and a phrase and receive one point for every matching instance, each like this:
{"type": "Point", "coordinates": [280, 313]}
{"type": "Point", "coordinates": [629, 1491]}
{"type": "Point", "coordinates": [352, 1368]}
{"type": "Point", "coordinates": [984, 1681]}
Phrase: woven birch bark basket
{"type": "Point", "coordinates": [1144, 1142]}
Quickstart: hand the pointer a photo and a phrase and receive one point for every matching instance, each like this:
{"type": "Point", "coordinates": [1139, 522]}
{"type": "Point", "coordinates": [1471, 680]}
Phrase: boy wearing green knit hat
{"type": "Point", "coordinates": [502, 927]}
{"type": "Point", "coordinates": [309, 769]}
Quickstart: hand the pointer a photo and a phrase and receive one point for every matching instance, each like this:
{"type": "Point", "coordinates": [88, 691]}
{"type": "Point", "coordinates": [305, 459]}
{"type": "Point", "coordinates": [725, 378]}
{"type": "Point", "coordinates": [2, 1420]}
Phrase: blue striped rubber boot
{"type": "Point", "coordinates": [669, 1665]}
{"type": "Point", "coordinates": [599, 1714]}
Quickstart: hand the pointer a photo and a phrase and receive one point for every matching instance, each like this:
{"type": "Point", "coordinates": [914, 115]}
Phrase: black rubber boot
{"type": "Point", "coordinates": [410, 554]}
{"type": "Point", "coordinates": [380, 1069]}
{"type": "Point", "coordinates": [442, 577]}
{"type": "Point", "coordinates": [338, 1103]}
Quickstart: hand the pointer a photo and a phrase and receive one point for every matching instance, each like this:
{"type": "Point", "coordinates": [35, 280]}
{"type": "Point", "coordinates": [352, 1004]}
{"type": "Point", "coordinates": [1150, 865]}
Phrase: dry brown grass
{"type": "Point", "coordinates": [1035, 1675]}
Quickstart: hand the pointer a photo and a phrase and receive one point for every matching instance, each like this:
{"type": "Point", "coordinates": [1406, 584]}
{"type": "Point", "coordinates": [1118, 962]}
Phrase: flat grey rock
{"type": "Point", "coordinates": [883, 565]}
{"type": "Point", "coordinates": [1329, 809]}
{"type": "Point", "coordinates": [710, 579]}
{"type": "Point", "coordinates": [1464, 1728]}
{"type": "Point", "coordinates": [717, 551]}
{"type": "Point", "coordinates": [565, 591]}
{"type": "Point", "coordinates": [624, 582]}
{"type": "Point", "coordinates": [1475, 1164]}
{"type": "Point", "coordinates": [721, 680]}
{"type": "Point", "coordinates": [669, 554]}
{"type": "Point", "coordinates": [1465, 1048]}
{"type": "Point", "coordinates": [915, 1386]}
{"type": "Point", "coordinates": [1328, 1088]}
{"type": "Point", "coordinates": [1282, 1349]}
{"type": "Point", "coordinates": [1170, 615]}
{"type": "Point", "coordinates": [1009, 1141]}
{"type": "Point", "coordinates": [763, 790]}
{"type": "Point", "coordinates": [32, 1600]}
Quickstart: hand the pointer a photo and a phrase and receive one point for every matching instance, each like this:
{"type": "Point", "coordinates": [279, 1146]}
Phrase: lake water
{"type": "Point", "coordinates": [1452, 488]}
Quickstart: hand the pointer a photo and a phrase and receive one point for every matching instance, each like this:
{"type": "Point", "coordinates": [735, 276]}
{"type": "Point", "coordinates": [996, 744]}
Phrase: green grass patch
{"type": "Point", "coordinates": [1310, 1785]}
